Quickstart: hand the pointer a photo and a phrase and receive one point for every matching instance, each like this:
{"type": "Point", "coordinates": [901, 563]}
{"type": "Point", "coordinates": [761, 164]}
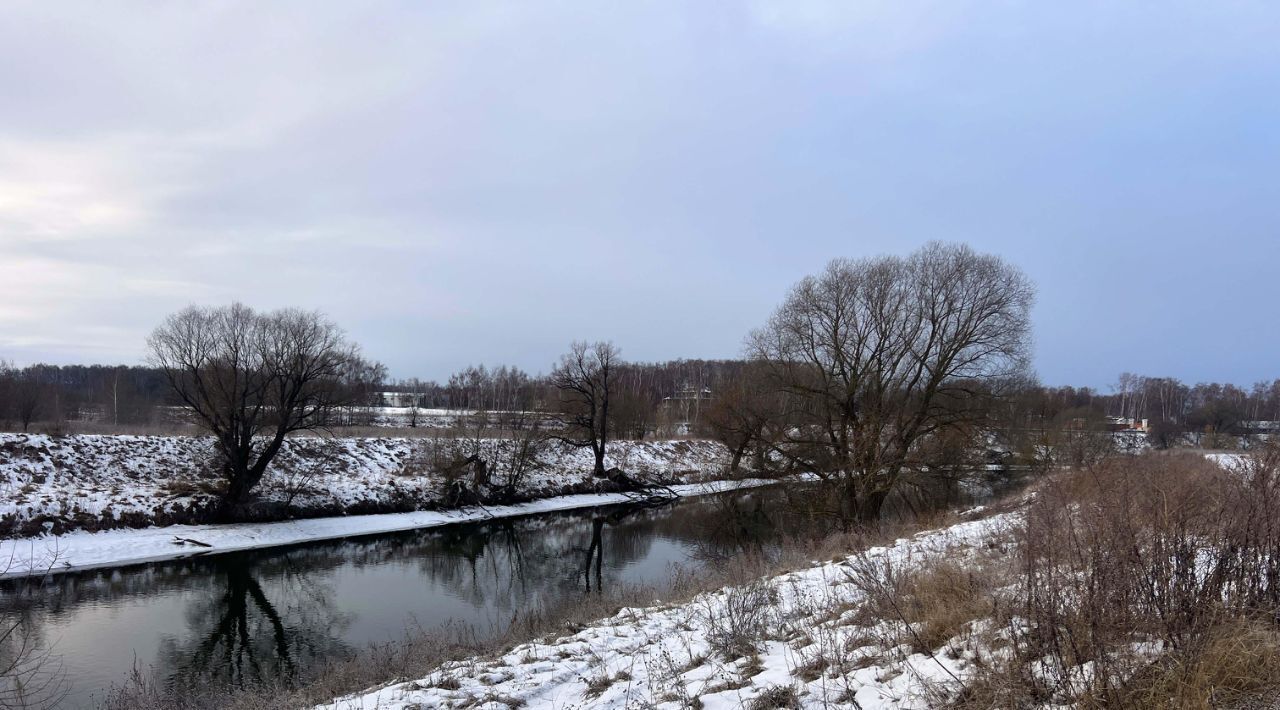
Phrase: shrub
{"type": "Point", "coordinates": [737, 629]}
{"type": "Point", "coordinates": [1137, 558]}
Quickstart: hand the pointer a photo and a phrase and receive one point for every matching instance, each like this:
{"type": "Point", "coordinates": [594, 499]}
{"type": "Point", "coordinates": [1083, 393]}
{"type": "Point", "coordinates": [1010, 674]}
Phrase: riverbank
{"type": "Point", "coordinates": [55, 554]}
{"type": "Point", "coordinates": [813, 637]}
{"type": "Point", "coordinates": [1068, 599]}
{"type": "Point", "coordinates": [79, 483]}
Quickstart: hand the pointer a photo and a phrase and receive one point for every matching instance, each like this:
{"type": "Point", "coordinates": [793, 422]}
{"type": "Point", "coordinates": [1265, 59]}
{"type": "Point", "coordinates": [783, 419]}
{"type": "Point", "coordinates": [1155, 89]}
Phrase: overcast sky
{"type": "Point", "coordinates": [485, 182]}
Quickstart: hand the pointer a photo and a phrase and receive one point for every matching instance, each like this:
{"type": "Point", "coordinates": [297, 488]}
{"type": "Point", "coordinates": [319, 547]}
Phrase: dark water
{"type": "Point", "coordinates": [241, 618]}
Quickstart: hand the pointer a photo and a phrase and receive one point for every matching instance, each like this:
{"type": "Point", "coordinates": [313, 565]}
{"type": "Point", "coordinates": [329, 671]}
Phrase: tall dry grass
{"type": "Point", "coordinates": [1144, 582]}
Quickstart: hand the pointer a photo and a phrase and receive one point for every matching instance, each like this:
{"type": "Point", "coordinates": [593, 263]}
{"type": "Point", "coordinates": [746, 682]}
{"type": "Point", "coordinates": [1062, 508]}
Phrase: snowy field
{"type": "Point", "coordinates": [89, 482]}
{"type": "Point", "coordinates": [815, 648]}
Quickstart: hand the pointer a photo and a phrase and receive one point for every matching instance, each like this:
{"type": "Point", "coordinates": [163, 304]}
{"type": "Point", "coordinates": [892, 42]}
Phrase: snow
{"type": "Point", "coordinates": [112, 548]}
{"type": "Point", "coordinates": [665, 656]}
{"type": "Point", "coordinates": [1227, 461]}
{"type": "Point", "coordinates": [98, 482]}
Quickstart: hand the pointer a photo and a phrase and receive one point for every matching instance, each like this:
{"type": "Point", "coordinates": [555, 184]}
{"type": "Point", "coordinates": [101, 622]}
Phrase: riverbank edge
{"type": "Point", "coordinates": [80, 551]}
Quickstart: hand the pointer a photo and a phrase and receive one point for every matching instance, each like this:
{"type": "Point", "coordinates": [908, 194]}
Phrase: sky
{"type": "Point", "coordinates": [464, 182]}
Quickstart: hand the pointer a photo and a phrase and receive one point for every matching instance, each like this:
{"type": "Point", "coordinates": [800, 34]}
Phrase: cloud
{"type": "Point", "coordinates": [456, 182]}
{"type": "Point", "coordinates": [50, 190]}
{"type": "Point", "coordinates": [875, 30]}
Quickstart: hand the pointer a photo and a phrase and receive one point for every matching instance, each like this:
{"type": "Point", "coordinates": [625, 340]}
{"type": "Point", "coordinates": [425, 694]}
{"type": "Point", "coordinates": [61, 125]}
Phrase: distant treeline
{"type": "Point", "coordinates": [1171, 408]}
{"type": "Point", "coordinates": [645, 396]}
{"type": "Point", "coordinates": [648, 399]}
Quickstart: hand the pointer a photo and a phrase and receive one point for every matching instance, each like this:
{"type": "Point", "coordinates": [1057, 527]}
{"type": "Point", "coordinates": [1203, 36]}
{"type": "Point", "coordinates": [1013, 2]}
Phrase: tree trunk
{"type": "Point", "coordinates": [236, 470]}
{"type": "Point", "coordinates": [598, 471]}
{"type": "Point", "coordinates": [595, 553]}
{"type": "Point", "coordinates": [869, 507]}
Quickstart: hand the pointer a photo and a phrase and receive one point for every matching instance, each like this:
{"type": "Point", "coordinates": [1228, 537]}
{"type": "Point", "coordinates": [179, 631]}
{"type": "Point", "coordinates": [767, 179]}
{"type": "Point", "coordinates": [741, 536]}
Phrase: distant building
{"type": "Point", "coordinates": [1127, 424]}
{"type": "Point", "coordinates": [684, 408]}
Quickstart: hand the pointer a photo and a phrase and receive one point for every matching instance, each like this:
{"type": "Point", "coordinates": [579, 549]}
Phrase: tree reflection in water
{"type": "Point", "coordinates": [510, 565]}
{"type": "Point", "coordinates": [627, 543]}
{"type": "Point", "coordinates": [238, 636]}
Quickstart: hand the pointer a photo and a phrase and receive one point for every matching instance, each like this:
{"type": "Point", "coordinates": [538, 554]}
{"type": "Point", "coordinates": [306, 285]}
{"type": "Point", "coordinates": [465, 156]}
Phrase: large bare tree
{"type": "Point", "coordinates": [584, 380]}
{"type": "Point", "coordinates": [874, 356]}
{"type": "Point", "coordinates": [254, 378]}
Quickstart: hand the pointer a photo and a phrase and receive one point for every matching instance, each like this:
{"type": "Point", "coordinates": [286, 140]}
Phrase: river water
{"type": "Point", "coordinates": [242, 618]}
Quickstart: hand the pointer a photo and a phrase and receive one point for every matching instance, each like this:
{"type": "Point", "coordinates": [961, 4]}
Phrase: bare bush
{"type": "Point", "coordinates": [737, 628]}
{"type": "Point", "coordinates": [1136, 563]}
{"type": "Point", "coordinates": [31, 675]}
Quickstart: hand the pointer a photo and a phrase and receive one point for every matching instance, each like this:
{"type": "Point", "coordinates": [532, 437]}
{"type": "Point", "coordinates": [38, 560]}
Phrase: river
{"type": "Point", "coordinates": [275, 614]}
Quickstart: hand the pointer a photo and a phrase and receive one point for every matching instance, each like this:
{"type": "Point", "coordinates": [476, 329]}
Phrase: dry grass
{"type": "Point", "coordinates": [1136, 553]}
{"type": "Point", "coordinates": [1231, 662]}
{"type": "Point", "coordinates": [940, 599]}
{"type": "Point", "coordinates": [739, 629]}
{"type": "Point", "coordinates": [931, 600]}
{"type": "Point", "coordinates": [778, 696]}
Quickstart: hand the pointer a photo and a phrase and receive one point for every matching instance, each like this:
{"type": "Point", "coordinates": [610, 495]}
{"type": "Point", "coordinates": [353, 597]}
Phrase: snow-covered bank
{"type": "Point", "coordinates": [91, 482]}
{"type": "Point", "coordinates": [116, 548]}
{"type": "Point", "coordinates": [800, 639]}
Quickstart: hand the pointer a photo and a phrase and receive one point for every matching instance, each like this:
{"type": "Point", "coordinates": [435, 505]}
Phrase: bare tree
{"type": "Point", "coordinates": [254, 378]}
{"type": "Point", "coordinates": [29, 396]}
{"type": "Point", "coordinates": [414, 401]}
{"type": "Point", "coordinates": [740, 414]}
{"type": "Point", "coordinates": [876, 355]}
{"type": "Point", "coordinates": [583, 380]}
{"type": "Point", "coordinates": [8, 384]}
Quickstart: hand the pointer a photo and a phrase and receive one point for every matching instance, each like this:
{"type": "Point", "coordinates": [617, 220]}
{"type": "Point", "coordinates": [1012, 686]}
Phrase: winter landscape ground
{"type": "Point", "coordinates": [86, 482]}
{"type": "Point", "coordinates": [807, 638]}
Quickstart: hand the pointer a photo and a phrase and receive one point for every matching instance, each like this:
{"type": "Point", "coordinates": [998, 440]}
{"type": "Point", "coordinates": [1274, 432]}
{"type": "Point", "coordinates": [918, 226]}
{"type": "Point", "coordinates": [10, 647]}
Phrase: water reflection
{"type": "Point", "coordinates": [30, 676]}
{"type": "Point", "coordinates": [276, 615]}
{"type": "Point", "coordinates": [236, 635]}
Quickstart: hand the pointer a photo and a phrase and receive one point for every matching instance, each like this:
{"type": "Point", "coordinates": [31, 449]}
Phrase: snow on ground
{"type": "Point", "coordinates": [75, 482]}
{"type": "Point", "coordinates": [112, 548]}
{"type": "Point", "coordinates": [811, 648]}
{"type": "Point", "coordinates": [1227, 460]}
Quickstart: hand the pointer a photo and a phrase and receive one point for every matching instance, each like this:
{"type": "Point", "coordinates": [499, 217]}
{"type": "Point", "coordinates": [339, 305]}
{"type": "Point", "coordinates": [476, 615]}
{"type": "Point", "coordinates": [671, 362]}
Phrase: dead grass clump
{"type": "Point", "coordinates": [933, 599]}
{"type": "Point", "coordinates": [1004, 686]}
{"type": "Point", "coordinates": [182, 487]}
{"type": "Point", "coordinates": [738, 628]}
{"type": "Point", "coordinates": [941, 599]}
{"type": "Point", "coordinates": [1231, 662]}
{"type": "Point", "coordinates": [777, 696]}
